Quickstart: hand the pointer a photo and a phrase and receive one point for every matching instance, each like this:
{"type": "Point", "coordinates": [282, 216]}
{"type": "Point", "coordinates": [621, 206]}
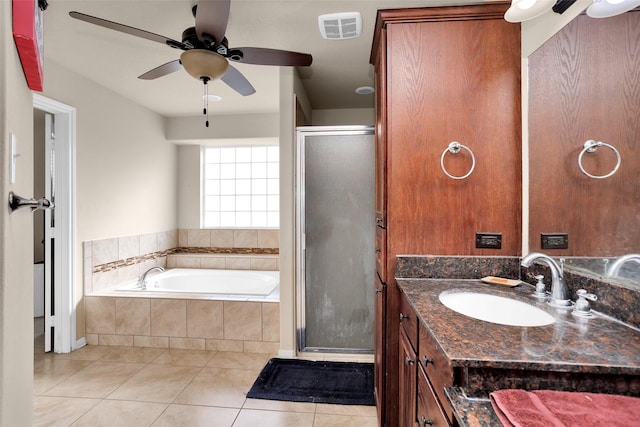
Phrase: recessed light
{"type": "Point", "coordinates": [365, 90]}
{"type": "Point", "coordinates": [212, 98]}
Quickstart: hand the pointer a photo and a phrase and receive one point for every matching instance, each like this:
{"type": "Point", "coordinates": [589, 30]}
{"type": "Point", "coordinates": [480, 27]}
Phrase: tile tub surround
{"type": "Point", "coordinates": [108, 262]}
{"type": "Point", "coordinates": [238, 326]}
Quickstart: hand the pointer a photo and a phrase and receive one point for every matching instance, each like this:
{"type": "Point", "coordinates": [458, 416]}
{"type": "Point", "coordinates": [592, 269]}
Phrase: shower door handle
{"type": "Point", "coordinates": [16, 202]}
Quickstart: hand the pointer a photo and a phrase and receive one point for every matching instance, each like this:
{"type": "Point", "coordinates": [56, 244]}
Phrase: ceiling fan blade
{"type": "Point", "coordinates": [264, 56]}
{"type": "Point", "coordinates": [128, 30]}
{"type": "Point", "coordinates": [212, 17]}
{"type": "Point", "coordinates": [237, 81]}
{"type": "Point", "coordinates": [162, 70]}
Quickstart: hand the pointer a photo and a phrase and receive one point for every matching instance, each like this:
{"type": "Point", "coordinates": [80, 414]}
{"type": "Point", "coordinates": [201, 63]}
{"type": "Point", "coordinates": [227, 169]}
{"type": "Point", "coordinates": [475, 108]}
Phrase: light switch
{"type": "Point", "coordinates": [12, 158]}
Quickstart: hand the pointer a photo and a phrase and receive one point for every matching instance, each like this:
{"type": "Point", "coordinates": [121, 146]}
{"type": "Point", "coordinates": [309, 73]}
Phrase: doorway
{"type": "Point", "coordinates": [58, 224]}
{"type": "Point", "coordinates": [335, 239]}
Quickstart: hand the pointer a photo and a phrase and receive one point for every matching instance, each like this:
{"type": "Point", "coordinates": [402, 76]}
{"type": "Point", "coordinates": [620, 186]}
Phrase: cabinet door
{"type": "Point", "coordinates": [451, 81]}
{"type": "Point", "coordinates": [428, 412]}
{"type": "Point", "coordinates": [381, 134]}
{"type": "Point", "coordinates": [407, 377]}
{"type": "Point", "coordinates": [379, 315]}
{"type": "Point", "coordinates": [436, 366]}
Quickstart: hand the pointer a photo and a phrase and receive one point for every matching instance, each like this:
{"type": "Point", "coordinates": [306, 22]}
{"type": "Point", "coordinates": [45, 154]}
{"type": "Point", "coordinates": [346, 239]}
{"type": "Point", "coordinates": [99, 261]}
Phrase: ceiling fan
{"type": "Point", "coordinates": [206, 53]}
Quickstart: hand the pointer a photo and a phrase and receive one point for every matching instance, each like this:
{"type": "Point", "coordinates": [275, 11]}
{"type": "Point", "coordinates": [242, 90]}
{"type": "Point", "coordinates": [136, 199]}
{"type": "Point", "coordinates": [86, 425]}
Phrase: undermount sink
{"type": "Point", "coordinates": [495, 309]}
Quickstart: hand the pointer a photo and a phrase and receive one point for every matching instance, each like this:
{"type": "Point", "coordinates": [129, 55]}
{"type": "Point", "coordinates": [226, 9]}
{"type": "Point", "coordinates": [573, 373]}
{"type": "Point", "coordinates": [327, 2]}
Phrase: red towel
{"type": "Point", "coordinates": [547, 408]}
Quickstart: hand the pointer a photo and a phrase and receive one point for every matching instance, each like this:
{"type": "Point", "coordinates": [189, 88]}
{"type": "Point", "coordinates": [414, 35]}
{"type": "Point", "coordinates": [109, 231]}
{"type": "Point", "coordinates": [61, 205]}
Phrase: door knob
{"type": "Point", "coordinates": [16, 202]}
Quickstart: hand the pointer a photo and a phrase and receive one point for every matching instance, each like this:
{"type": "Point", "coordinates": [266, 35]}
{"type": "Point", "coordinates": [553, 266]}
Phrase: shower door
{"type": "Point", "coordinates": [335, 238]}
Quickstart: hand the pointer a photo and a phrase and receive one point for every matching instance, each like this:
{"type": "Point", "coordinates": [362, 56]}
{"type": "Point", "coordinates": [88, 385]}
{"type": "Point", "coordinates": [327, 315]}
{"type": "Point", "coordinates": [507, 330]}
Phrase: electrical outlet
{"type": "Point", "coordinates": [554, 240]}
{"type": "Point", "coordinates": [489, 240]}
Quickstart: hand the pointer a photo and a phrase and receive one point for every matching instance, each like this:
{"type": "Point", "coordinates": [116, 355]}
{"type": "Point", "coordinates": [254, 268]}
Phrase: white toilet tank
{"type": "Point", "coordinates": [38, 289]}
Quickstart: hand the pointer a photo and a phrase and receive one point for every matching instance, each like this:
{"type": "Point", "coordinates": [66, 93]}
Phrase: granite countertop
{"type": "Point", "coordinates": [564, 352]}
{"type": "Point", "coordinates": [570, 344]}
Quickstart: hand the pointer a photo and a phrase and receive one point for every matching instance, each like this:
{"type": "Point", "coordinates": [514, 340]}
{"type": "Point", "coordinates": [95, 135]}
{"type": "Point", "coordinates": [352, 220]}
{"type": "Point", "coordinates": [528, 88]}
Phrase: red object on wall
{"type": "Point", "coordinates": [27, 34]}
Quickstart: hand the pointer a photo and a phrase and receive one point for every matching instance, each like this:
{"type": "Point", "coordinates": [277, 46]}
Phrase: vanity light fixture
{"type": "Point", "coordinates": [524, 10]}
{"type": "Point", "coordinates": [608, 8]}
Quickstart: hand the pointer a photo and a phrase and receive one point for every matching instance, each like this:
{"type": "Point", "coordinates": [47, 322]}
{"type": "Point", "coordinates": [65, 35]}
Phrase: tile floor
{"type": "Point", "coordinates": [131, 386]}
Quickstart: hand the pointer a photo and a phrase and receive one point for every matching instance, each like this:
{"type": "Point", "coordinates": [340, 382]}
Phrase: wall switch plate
{"type": "Point", "coordinates": [13, 155]}
{"type": "Point", "coordinates": [554, 241]}
{"type": "Point", "coordinates": [489, 240]}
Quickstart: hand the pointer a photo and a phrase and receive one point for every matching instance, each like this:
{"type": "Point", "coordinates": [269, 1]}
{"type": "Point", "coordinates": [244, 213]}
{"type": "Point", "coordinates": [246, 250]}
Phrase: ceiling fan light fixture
{"type": "Point", "coordinates": [524, 10]}
{"type": "Point", "coordinates": [203, 64]}
{"type": "Point", "coordinates": [608, 8]}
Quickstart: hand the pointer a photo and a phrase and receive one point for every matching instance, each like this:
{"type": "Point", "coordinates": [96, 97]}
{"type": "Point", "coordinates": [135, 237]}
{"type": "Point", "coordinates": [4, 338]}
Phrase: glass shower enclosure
{"type": "Point", "coordinates": [335, 198]}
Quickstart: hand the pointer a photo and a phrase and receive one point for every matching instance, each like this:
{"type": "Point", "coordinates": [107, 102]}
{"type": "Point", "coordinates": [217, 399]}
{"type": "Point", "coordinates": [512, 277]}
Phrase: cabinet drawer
{"type": "Point", "coordinates": [409, 320]}
{"type": "Point", "coordinates": [436, 365]}
{"type": "Point", "coordinates": [429, 412]}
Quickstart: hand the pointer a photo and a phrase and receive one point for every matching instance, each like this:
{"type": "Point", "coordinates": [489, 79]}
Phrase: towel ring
{"type": "Point", "coordinates": [454, 148]}
{"type": "Point", "coordinates": [591, 146]}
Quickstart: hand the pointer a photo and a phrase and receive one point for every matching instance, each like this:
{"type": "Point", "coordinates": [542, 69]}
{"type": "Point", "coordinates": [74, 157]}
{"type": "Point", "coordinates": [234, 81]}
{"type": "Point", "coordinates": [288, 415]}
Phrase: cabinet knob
{"type": "Point", "coordinates": [378, 250]}
{"type": "Point", "coordinates": [426, 360]}
{"type": "Point", "coordinates": [425, 421]}
{"type": "Point", "coordinates": [409, 361]}
{"type": "Point", "coordinates": [403, 316]}
{"type": "Point", "coordinates": [378, 290]}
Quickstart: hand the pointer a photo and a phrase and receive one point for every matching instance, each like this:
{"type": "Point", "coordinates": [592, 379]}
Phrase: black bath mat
{"type": "Point", "coordinates": [342, 383]}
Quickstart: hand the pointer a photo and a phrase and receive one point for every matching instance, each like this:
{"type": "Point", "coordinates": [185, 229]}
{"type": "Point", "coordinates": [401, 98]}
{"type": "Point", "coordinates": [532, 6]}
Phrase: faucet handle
{"type": "Point", "coordinates": [582, 307]}
{"type": "Point", "coordinates": [540, 287]}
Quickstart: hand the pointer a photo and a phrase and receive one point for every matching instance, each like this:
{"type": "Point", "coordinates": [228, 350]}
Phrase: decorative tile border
{"type": "Point", "coordinates": [114, 265]}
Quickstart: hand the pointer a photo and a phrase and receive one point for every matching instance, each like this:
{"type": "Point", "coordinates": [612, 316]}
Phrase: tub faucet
{"type": "Point", "coordinates": [559, 291]}
{"type": "Point", "coordinates": [614, 268]}
{"type": "Point", "coordinates": [142, 282]}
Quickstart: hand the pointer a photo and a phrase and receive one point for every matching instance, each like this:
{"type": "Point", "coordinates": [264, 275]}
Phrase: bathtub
{"type": "Point", "coordinates": [204, 309]}
{"type": "Point", "coordinates": [218, 284]}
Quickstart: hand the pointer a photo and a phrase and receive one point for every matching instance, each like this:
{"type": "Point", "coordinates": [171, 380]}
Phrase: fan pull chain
{"type": "Point", "coordinates": [206, 101]}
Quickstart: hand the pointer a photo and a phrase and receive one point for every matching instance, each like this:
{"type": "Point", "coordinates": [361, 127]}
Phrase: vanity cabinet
{"type": "Point", "coordinates": [443, 74]}
{"type": "Point", "coordinates": [407, 375]}
{"type": "Point", "coordinates": [424, 372]}
{"type": "Point", "coordinates": [435, 373]}
{"type": "Point", "coordinates": [380, 298]}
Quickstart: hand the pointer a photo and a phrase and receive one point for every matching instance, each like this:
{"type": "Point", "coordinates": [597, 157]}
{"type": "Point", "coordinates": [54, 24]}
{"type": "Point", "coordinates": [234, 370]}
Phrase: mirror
{"type": "Point", "coordinates": [584, 84]}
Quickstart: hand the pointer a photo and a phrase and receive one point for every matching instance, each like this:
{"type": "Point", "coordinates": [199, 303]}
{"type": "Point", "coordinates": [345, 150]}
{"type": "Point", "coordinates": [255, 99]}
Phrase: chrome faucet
{"type": "Point", "coordinates": [559, 291]}
{"type": "Point", "coordinates": [614, 268]}
{"type": "Point", "coordinates": [142, 282]}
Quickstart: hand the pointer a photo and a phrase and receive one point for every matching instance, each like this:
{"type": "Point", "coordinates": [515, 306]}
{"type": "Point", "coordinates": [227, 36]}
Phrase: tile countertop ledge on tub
{"type": "Point", "coordinates": [597, 354]}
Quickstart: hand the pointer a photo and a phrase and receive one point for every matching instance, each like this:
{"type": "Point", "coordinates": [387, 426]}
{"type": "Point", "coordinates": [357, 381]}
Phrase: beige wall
{"type": "Point", "coordinates": [126, 171]}
{"type": "Point", "coordinates": [287, 213]}
{"type": "Point", "coordinates": [340, 117]}
{"type": "Point", "coordinates": [189, 178]}
{"type": "Point", "coordinates": [16, 238]}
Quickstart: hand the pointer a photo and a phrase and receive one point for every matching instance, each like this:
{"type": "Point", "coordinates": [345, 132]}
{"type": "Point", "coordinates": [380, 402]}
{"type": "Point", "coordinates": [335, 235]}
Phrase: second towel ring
{"type": "Point", "coordinates": [591, 146]}
{"type": "Point", "coordinates": [454, 148]}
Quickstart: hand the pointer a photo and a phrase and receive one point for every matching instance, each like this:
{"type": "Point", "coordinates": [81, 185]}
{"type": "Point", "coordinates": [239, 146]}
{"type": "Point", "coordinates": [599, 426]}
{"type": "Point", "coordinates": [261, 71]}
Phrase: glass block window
{"type": "Point", "coordinates": [241, 187]}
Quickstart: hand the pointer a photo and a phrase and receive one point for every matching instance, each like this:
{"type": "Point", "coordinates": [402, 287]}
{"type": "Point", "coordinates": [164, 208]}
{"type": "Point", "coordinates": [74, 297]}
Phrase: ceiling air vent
{"type": "Point", "coordinates": [339, 26]}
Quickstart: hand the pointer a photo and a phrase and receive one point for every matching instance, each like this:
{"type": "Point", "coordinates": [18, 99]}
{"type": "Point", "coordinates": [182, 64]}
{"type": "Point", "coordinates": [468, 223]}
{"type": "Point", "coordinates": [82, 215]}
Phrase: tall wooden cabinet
{"type": "Point", "coordinates": [446, 74]}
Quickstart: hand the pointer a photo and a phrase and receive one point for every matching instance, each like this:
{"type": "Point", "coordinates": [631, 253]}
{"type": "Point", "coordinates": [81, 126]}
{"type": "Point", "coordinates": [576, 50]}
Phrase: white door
{"type": "Point", "coordinates": [59, 230]}
{"type": "Point", "coordinates": [49, 230]}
